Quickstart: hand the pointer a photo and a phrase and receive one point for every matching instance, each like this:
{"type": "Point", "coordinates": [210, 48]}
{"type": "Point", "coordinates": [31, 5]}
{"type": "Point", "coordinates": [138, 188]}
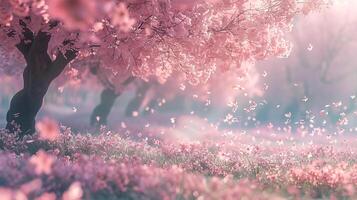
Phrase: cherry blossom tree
{"type": "Point", "coordinates": [145, 38]}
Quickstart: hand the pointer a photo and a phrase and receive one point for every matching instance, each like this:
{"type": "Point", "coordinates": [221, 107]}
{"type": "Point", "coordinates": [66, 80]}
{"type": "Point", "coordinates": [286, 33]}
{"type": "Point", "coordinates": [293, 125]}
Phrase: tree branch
{"type": "Point", "coordinates": [40, 43]}
{"type": "Point", "coordinates": [128, 80]}
{"type": "Point", "coordinates": [38, 59]}
{"type": "Point", "coordinates": [61, 62]}
{"type": "Point", "coordinates": [26, 41]}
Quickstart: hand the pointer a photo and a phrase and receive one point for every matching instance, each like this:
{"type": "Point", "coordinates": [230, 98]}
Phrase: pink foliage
{"type": "Point", "coordinates": [159, 38]}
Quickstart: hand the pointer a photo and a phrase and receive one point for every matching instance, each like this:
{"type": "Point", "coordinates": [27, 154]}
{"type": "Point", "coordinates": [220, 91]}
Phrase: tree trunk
{"type": "Point", "coordinates": [101, 112]}
{"type": "Point", "coordinates": [25, 104]}
{"type": "Point", "coordinates": [108, 96]}
{"type": "Point", "coordinates": [38, 75]}
{"type": "Point", "coordinates": [135, 104]}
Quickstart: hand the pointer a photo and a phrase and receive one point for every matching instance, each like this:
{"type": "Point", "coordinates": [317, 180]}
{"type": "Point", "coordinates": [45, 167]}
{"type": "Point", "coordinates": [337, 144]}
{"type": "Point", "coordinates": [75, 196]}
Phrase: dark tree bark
{"type": "Point", "coordinates": [108, 96]}
{"type": "Point", "coordinates": [40, 71]}
{"type": "Point", "coordinates": [101, 112]}
{"type": "Point", "coordinates": [135, 104]}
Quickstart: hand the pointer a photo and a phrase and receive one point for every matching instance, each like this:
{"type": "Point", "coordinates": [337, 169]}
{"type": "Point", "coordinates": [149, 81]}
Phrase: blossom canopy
{"type": "Point", "coordinates": [155, 38]}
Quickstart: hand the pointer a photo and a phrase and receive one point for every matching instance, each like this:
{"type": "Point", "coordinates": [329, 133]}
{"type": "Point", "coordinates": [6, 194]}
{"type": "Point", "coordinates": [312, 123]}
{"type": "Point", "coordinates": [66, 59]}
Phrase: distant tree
{"type": "Point", "coordinates": [108, 96]}
{"type": "Point", "coordinates": [321, 69]}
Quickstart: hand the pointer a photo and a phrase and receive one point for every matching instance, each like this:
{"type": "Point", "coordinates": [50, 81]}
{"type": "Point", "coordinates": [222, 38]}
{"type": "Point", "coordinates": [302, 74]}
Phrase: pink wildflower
{"type": "Point", "coordinates": [42, 162]}
{"type": "Point", "coordinates": [48, 129]}
{"type": "Point", "coordinates": [74, 192]}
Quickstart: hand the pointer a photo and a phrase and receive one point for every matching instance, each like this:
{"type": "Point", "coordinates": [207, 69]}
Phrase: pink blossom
{"type": "Point", "coordinates": [32, 186]}
{"type": "Point", "coordinates": [48, 129]}
{"type": "Point", "coordinates": [6, 194]}
{"type": "Point", "coordinates": [76, 14]}
{"type": "Point", "coordinates": [5, 13]}
{"type": "Point", "coordinates": [74, 192]}
{"type": "Point", "coordinates": [42, 162]}
{"type": "Point", "coordinates": [121, 18]}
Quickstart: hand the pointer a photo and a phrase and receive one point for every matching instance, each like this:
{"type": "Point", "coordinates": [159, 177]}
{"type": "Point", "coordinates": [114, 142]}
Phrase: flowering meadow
{"type": "Point", "coordinates": [256, 165]}
{"type": "Point", "coordinates": [178, 99]}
